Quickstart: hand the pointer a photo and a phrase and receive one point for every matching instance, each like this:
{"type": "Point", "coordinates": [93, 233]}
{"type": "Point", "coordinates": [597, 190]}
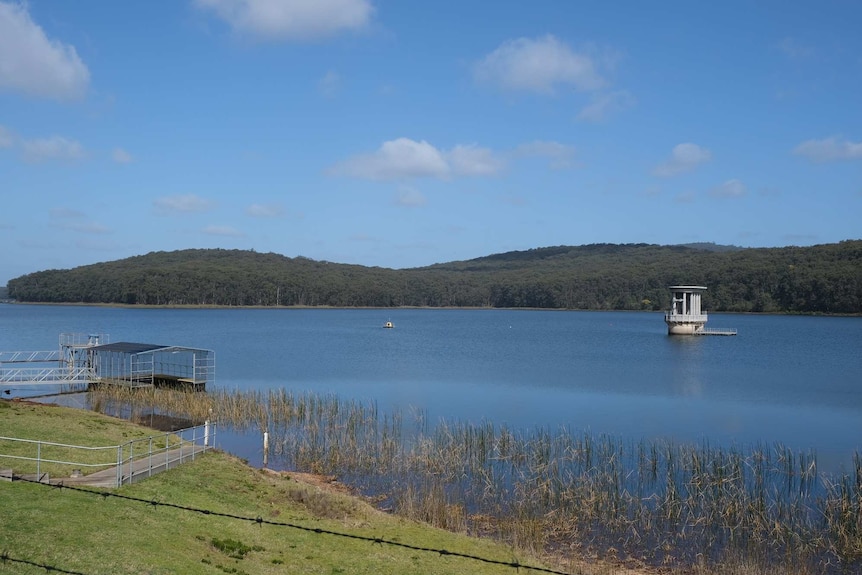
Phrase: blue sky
{"type": "Point", "coordinates": [406, 133]}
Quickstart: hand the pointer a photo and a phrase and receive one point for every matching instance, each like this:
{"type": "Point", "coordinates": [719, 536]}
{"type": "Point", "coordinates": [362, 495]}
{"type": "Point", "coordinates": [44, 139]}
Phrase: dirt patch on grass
{"type": "Point", "coordinates": [326, 483]}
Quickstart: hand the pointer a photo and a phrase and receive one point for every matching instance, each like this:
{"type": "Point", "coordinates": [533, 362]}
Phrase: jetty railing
{"type": "Point", "coordinates": [716, 331]}
{"type": "Point", "coordinates": [131, 461]}
{"type": "Point", "coordinates": [29, 356]}
{"type": "Point", "coordinates": [51, 375]}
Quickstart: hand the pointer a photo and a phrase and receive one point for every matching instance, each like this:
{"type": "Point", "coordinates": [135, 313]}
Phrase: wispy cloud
{"type": "Point", "coordinates": [121, 156]}
{"type": "Point", "coordinates": [188, 203]}
{"type": "Point", "coordinates": [265, 210]}
{"type": "Point", "coordinates": [33, 64]}
{"type": "Point", "coordinates": [226, 231]}
{"type": "Point", "coordinates": [330, 84]}
{"type": "Point", "coordinates": [605, 105]}
{"type": "Point", "coordinates": [829, 149]}
{"type": "Point", "coordinates": [538, 65]}
{"type": "Point", "coordinates": [685, 197]}
{"type": "Point", "coordinates": [52, 148]}
{"type": "Point", "coordinates": [794, 49]}
{"type": "Point", "coordinates": [291, 19]}
{"type": "Point", "coordinates": [473, 160]}
{"type": "Point", "coordinates": [409, 197]}
{"type": "Point", "coordinates": [7, 138]}
{"type": "Point", "coordinates": [683, 158]}
{"type": "Point", "coordinates": [561, 156]}
{"type": "Point", "coordinates": [76, 221]}
{"type": "Point", "coordinates": [729, 189]}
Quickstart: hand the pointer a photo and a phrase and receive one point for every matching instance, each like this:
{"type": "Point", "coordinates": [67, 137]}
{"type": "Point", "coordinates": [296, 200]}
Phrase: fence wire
{"type": "Point", "coordinates": [4, 556]}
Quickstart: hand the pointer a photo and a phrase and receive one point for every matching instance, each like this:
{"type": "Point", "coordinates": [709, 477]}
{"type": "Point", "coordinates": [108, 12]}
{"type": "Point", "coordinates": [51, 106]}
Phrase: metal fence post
{"type": "Point", "coordinates": [119, 465]}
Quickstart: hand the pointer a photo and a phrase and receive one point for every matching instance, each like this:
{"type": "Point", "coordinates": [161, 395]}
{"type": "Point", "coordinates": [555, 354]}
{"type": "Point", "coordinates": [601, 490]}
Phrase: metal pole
{"type": "Point", "coordinates": [119, 465]}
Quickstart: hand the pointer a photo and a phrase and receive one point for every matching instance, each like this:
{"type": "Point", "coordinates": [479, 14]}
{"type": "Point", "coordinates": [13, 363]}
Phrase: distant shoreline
{"type": "Point", "coordinates": [442, 308]}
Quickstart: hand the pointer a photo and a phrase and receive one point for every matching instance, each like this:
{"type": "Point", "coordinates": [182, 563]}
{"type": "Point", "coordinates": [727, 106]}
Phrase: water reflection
{"type": "Point", "coordinates": [686, 369]}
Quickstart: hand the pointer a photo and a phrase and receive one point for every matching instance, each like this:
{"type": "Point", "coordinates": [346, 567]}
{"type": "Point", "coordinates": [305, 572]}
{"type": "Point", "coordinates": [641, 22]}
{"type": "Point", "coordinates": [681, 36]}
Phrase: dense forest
{"type": "Point", "coordinates": [818, 279]}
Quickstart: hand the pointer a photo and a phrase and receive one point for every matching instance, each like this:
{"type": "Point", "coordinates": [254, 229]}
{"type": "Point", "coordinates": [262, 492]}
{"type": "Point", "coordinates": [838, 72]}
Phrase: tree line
{"type": "Point", "coordinates": [824, 278]}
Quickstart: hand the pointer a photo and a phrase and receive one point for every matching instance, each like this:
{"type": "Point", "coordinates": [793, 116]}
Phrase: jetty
{"type": "Point", "coordinates": [686, 316]}
{"type": "Point", "coordinates": [85, 360]}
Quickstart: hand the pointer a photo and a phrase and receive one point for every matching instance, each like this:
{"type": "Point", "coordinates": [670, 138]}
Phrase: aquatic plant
{"type": "Point", "coordinates": [564, 491]}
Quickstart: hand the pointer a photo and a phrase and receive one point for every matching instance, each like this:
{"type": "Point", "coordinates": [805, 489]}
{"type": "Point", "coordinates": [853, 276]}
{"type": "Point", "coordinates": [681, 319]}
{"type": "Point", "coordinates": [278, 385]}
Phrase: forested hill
{"type": "Point", "coordinates": [819, 279]}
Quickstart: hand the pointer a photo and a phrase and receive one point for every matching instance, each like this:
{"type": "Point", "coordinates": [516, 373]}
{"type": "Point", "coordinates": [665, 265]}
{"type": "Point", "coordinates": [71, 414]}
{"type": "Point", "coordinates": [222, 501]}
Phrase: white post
{"type": "Point", "coordinates": [206, 433]}
{"type": "Point", "coordinates": [265, 446]}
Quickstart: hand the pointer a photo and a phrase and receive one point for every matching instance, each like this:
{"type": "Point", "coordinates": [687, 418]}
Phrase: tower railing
{"type": "Point", "coordinates": [674, 317]}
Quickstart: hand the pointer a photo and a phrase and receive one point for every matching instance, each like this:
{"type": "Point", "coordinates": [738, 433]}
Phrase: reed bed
{"type": "Point", "coordinates": [564, 491]}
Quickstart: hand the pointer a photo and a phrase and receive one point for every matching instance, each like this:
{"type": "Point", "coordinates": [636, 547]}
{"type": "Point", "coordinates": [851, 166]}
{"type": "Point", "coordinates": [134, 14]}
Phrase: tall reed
{"type": "Point", "coordinates": [657, 502]}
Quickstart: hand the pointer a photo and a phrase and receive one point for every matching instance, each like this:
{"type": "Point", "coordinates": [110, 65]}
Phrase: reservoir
{"type": "Point", "coordinates": [789, 380]}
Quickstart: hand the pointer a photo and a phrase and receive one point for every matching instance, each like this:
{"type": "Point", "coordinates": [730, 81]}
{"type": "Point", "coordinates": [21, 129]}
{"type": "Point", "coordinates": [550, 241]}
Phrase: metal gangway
{"type": "Point", "coordinates": [72, 364]}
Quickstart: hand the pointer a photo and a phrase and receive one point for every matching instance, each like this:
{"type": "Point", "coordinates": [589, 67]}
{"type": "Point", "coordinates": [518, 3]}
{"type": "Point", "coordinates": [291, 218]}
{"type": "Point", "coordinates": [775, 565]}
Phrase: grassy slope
{"type": "Point", "coordinates": [86, 533]}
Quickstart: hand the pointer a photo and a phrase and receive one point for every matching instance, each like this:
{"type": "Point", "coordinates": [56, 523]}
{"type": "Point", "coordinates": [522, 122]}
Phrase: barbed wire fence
{"type": "Point", "coordinates": [6, 557]}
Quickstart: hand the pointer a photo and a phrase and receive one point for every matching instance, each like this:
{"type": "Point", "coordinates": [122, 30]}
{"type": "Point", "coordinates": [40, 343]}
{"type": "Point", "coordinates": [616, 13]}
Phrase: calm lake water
{"type": "Point", "coordinates": [784, 379]}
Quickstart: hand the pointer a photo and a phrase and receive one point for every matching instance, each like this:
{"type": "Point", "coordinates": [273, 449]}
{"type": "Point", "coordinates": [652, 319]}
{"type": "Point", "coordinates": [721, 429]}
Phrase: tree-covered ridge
{"type": "Point", "coordinates": [818, 279]}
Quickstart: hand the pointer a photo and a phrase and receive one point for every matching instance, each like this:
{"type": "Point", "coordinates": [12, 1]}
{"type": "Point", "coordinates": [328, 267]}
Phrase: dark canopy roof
{"type": "Point", "coordinates": [129, 347]}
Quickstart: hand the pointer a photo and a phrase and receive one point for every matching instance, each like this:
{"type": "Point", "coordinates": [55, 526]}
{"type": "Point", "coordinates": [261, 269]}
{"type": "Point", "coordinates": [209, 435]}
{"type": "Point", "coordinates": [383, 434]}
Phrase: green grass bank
{"type": "Point", "coordinates": [51, 529]}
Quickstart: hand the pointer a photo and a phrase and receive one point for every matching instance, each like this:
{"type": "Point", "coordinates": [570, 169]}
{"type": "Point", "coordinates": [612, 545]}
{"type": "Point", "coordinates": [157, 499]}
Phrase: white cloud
{"type": "Point", "coordinates": [683, 158]}
{"type": "Point", "coordinates": [189, 203]}
{"type": "Point", "coordinates": [33, 64]}
{"type": "Point", "coordinates": [7, 138]}
{"type": "Point", "coordinates": [291, 19]}
{"type": "Point", "coordinates": [397, 159]}
{"type": "Point", "coordinates": [604, 105]}
{"type": "Point", "coordinates": [473, 161]}
{"type": "Point", "coordinates": [265, 211]}
{"type": "Point", "coordinates": [538, 65]}
{"type": "Point", "coordinates": [729, 189]}
{"type": "Point", "coordinates": [53, 148]}
{"type": "Point", "coordinates": [404, 158]}
{"type": "Point", "coordinates": [827, 149]}
{"type": "Point", "coordinates": [409, 197]}
{"type": "Point", "coordinates": [121, 156]}
{"type": "Point", "coordinates": [560, 155]}
{"type": "Point", "coordinates": [226, 231]}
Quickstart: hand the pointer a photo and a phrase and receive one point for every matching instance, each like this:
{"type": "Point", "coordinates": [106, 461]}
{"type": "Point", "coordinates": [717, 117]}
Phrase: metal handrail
{"type": "Point", "coordinates": [33, 375]}
{"type": "Point", "coordinates": [188, 438]}
{"type": "Point", "coordinates": [29, 356]}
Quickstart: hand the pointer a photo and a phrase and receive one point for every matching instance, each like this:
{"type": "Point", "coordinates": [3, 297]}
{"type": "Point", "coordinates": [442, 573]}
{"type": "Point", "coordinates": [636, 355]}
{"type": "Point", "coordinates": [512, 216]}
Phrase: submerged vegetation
{"type": "Point", "coordinates": [562, 492]}
{"type": "Point", "coordinates": [817, 279]}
